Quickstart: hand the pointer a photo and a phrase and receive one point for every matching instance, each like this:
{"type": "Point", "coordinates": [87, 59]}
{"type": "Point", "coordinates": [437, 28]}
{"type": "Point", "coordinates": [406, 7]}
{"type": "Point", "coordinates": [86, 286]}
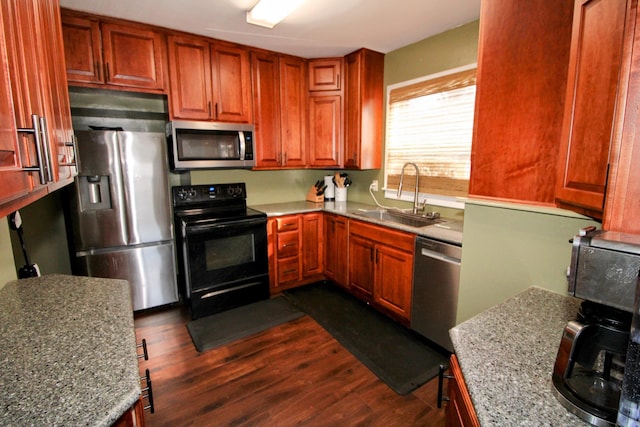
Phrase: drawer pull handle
{"type": "Point", "coordinates": [441, 377]}
{"type": "Point", "coordinates": [144, 354]}
{"type": "Point", "coordinates": [149, 390]}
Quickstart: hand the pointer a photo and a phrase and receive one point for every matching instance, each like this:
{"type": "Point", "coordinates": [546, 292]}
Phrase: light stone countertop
{"type": "Point", "coordinates": [507, 355]}
{"type": "Point", "coordinates": [67, 351]}
{"type": "Point", "coordinates": [450, 232]}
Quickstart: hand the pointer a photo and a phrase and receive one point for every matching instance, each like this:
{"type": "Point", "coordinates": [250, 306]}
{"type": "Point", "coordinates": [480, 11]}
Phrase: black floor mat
{"type": "Point", "coordinates": [395, 354]}
{"type": "Point", "coordinates": [222, 328]}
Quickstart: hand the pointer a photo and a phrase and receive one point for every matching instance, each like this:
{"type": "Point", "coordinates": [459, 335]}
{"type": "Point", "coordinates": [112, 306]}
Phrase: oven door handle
{"type": "Point", "coordinates": [203, 228]}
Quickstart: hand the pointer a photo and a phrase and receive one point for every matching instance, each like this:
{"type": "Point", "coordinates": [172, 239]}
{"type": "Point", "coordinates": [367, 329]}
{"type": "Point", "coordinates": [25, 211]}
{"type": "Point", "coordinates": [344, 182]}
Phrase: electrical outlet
{"type": "Point", "coordinates": [374, 185]}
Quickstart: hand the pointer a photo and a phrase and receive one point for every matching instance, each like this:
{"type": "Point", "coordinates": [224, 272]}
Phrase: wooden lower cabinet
{"type": "Point", "coordinates": [460, 411]}
{"type": "Point", "coordinates": [381, 268]}
{"type": "Point", "coordinates": [295, 250]}
{"type": "Point", "coordinates": [134, 417]}
{"type": "Point", "coordinates": [336, 249]}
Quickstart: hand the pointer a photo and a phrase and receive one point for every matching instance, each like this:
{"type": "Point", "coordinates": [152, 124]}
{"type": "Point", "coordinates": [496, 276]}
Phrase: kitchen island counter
{"type": "Point", "coordinates": [68, 351]}
{"type": "Point", "coordinates": [507, 355]}
{"type": "Point", "coordinates": [450, 232]}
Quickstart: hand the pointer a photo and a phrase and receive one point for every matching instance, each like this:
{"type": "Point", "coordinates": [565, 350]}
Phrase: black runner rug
{"type": "Point", "coordinates": [228, 326]}
{"type": "Point", "coordinates": [400, 358]}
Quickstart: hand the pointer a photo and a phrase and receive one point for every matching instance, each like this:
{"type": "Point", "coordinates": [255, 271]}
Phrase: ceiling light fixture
{"type": "Point", "coordinates": [267, 13]}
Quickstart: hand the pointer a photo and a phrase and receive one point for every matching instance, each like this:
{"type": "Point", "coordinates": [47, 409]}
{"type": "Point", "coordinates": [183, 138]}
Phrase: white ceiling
{"type": "Point", "coordinates": [318, 28]}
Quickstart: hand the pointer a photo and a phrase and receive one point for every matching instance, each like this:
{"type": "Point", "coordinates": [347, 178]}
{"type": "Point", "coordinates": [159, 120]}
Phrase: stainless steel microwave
{"type": "Point", "coordinates": [208, 145]}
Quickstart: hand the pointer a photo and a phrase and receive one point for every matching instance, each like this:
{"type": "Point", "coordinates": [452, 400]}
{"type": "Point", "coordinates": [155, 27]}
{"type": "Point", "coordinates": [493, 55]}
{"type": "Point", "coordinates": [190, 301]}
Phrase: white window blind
{"type": "Point", "coordinates": [430, 123]}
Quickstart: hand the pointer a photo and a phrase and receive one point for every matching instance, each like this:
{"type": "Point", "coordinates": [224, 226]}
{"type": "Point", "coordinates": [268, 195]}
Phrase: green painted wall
{"type": "Point", "coordinates": [508, 248]}
{"type": "Point", "coordinates": [7, 267]}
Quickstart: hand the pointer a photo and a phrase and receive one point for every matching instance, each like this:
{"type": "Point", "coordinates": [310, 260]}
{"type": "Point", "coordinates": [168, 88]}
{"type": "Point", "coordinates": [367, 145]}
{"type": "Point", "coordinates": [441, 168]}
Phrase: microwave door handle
{"type": "Point", "coordinates": [243, 146]}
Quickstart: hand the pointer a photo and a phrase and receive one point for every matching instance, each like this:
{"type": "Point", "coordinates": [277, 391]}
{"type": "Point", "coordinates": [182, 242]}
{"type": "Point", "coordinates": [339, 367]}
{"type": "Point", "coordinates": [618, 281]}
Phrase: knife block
{"type": "Point", "coordinates": [311, 195]}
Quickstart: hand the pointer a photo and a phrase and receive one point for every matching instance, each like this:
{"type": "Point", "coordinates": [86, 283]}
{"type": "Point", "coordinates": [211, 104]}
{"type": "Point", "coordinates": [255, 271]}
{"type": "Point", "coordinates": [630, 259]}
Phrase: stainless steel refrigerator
{"type": "Point", "coordinates": [121, 213]}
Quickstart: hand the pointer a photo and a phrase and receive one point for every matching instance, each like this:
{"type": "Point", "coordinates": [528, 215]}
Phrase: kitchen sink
{"type": "Point", "coordinates": [403, 217]}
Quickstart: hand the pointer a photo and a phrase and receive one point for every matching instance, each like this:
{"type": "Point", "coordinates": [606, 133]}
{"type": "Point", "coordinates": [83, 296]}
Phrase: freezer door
{"type": "Point", "coordinates": [143, 158]}
{"type": "Point", "coordinates": [150, 271]}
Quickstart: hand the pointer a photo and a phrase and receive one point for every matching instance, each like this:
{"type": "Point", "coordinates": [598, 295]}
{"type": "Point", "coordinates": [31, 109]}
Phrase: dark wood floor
{"type": "Point", "coordinates": [293, 374]}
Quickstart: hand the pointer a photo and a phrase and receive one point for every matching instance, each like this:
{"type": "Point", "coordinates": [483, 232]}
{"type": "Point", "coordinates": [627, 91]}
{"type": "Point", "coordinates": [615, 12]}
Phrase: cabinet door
{"type": "Point", "coordinates": [15, 182]}
{"type": "Point", "coordinates": [623, 189]}
{"type": "Point", "coordinates": [293, 110]}
{"type": "Point", "coordinates": [330, 255]}
{"type": "Point", "coordinates": [266, 110]}
{"type": "Point", "coordinates": [190, 78]}
{"type": "Point", "coordinates": [594, 70]}
{"type": "Point", "coordinates": [325, 130]}
{"type": "Point", "coordinates": [517, 125]}
{"type": "Point", "coordinates": [361, 266]}
{"type": "Point", "coordinates": [341, 252]}
{"type": "Point", "coordinates": [394, 279]}
{"type": "Point", "coordinates": [325, 74]}
{"type": "Point", "coordinates": [363, 89]}
{"type": "Point", "coordinates": [231, 84]}
{"type": "Point", "coordinates": [459, 411]}
{"type": "Point", "coordinates": [336, 249]}
{"type": "Point", "coordinates": [27, 88]}
{"type": "Point", "coordinates": [59, 117]}
{"type": "Point", "coordinates": [82, 49]}
{"type": "Point", "coordinates": [312, 244]}
{"type": "Point", "coordinates": [133, 56]}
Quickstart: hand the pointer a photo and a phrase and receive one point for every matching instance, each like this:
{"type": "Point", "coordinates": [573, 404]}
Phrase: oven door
{"type": "Point", "coordinates": [225, 264]}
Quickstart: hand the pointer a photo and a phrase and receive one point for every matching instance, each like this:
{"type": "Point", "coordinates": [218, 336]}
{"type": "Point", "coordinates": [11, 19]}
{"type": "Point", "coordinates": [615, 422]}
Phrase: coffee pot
{"type": "Point", "coordinates": [590, 365]}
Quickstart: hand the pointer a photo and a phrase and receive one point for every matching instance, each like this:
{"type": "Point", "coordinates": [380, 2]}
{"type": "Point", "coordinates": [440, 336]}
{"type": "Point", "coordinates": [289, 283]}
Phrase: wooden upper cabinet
{"type": "Point", "coordinates": [133, 56]}
{"type": "Point", "coordinates": [231, 83]}
{"type": "Point", "coordinates": [622, 203]}
{"type": "Point", "coordinates": [363, 92]}
{"type": "Point", "coordinates": [521, 84]}
{"type": "Point", "coordinates": [279, 103]}
{"type": "Point", "coordinates": [60, 126]}
{"type": "Point", "coordinates": [325, 74]}
{"type": "Point", "coordinates": [266, 110]}
{"type": "Point", "coordinates": [590, 105]}
{"type": "Point", "coordinates": [190, 77]}
{"type": "Point", "coordinates": [15, 182]}
{"type": "Point", "coordinates": [293, 110]}
{"type": "Point", "coordinates": [35, 121]}
{"type": "Point", "coordinates": [83, 49]}
{"type": "Point", "coordinates": [115, 53]}
{"type": "Point", "coordinates": [208, 81]}
{"type": "Point", "coordinates": [325, 130]}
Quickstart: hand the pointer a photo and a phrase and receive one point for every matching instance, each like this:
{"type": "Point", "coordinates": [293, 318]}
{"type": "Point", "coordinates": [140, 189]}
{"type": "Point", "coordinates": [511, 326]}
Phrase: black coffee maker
{"type": "Point", "coordinates": [589, 368]}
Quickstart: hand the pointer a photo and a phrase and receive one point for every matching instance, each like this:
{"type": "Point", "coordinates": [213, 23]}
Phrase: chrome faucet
{"type": "Point", "coordinates": [415, 195]}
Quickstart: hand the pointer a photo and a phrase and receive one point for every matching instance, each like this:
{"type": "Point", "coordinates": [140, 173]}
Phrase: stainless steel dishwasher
{"type": "Point", "coordinates": [436, 275]}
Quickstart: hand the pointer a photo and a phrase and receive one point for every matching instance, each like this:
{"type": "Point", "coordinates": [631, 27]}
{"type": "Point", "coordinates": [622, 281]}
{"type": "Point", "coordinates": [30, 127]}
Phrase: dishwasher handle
{"type": "Point", "coordinates": [437, 255]}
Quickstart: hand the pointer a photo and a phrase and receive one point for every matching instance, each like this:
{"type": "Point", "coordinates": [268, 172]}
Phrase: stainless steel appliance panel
{"type": "Point", "coordinates": [121, 213]}
{"type": "Point", "coordinates": [143, 158]}
{"type": "Point", "coordinates": [150, 271]}
{"type": "Point", "coordinates": [436, 278]}
{"type": "Point", "coordinates": [604, 268]}
{"type": "Point", "coordinates": [99, 210]}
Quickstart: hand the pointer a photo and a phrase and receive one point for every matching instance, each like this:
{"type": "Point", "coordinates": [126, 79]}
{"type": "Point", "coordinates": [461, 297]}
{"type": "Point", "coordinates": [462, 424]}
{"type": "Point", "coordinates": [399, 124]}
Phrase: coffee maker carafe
{"type": "Point", "coordinates": [589, 368]}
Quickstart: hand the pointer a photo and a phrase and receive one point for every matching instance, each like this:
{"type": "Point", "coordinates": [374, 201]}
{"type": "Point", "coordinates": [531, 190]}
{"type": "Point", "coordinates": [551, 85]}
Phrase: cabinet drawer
{"type": "Point", "coordinates": [287, 223]}
{"type": "Point", "coordinates": [289, 270]}
{"type": "Point", "coordinates": [288, 244]}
